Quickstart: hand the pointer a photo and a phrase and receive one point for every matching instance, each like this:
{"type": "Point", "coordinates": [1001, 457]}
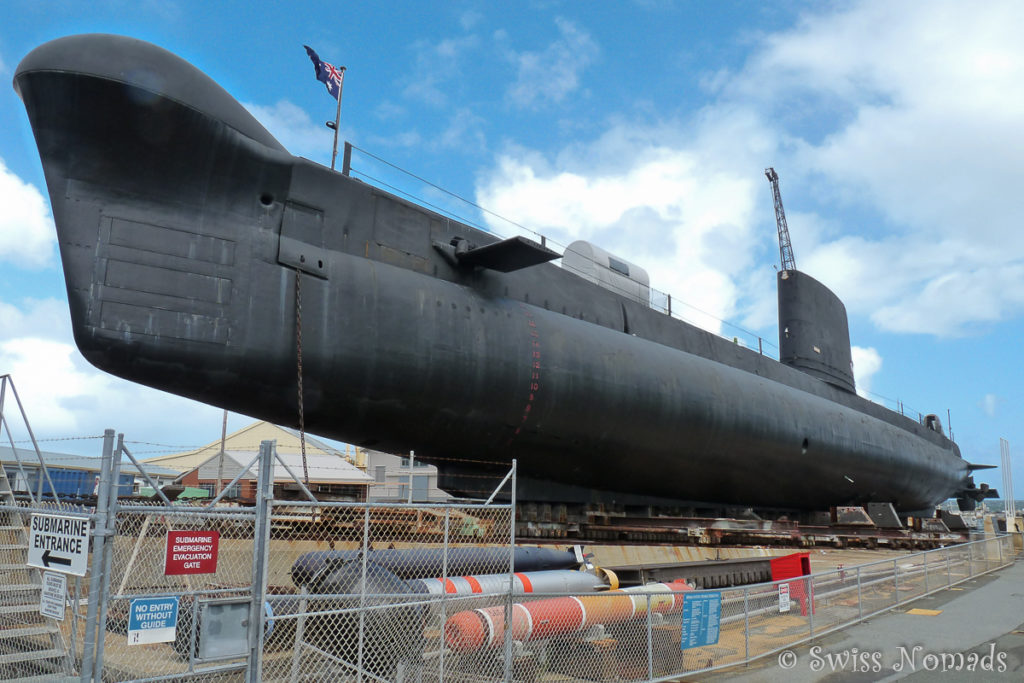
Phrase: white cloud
{"type": "Point", "coordinates": [49, 383]}
{"type": "Point", "coordinates": [916, 111]}
{"type": "Point", "coordinates": [465, 131]}
{"type": "Point", "coordinates": [27, 235]}
{"type": "Point", "coordinates": [469, 19]}
{"type": "Point", "coordinates": [552, 74]}
{"type": "Point", "coordinates": [436, 65]}
{"type": "Point", "coordinates": [901, 120]}
{"type": "Point", "coordinates": [866, 363]}
{"type": "Point", "coordinates": [990, 403]}
{"type": "Point", "coordinates": [64, 396]}
{"type": "Point", "coordinates": [36, 318]}
{"type": "Point", "coordinates": [676, 206]}
{"type": "Point", "coordinates": [295, 129]}
{"type": "Point", "coordinates": [387, 110]}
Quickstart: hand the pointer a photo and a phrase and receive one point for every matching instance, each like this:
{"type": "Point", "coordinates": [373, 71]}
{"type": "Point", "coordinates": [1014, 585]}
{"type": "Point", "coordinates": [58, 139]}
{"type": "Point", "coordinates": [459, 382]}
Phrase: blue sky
{"type": "Point", "coordinates": [644, 127]}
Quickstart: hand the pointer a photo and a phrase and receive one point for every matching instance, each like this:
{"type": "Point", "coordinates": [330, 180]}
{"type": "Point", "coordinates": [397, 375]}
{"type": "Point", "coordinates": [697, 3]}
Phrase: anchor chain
{"type": "Point", "coordinates": [298, 353]}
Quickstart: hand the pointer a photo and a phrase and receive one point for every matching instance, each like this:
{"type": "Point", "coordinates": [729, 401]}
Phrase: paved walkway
{"type": "Point", "coordinates": [984, 618]}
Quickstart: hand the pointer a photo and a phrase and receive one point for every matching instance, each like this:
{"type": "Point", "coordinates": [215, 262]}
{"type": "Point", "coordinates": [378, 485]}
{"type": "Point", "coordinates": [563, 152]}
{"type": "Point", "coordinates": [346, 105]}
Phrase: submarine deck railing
{"type": "Point", "coordinates": [657, 299]}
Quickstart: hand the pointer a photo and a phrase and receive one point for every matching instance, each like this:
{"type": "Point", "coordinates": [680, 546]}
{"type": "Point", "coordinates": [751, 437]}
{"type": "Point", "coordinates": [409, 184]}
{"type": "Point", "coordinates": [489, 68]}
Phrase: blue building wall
{"type": "Point", "coordinates": [67, 482]}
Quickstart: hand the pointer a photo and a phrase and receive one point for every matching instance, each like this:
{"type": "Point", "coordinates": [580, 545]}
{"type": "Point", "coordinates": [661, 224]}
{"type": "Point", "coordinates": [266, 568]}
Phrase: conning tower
{"type": "Point", "coordinates": [814, 335]}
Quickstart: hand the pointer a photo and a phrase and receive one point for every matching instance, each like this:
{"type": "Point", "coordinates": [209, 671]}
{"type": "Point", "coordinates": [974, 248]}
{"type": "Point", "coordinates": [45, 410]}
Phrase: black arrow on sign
{"type": "Point", "coordinates": [48, 558]}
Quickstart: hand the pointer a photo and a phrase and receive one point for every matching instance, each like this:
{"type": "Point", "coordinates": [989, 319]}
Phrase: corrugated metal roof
{"type": "Point", "coordinates": [68, 461]}
{"type": "Point", "coordinates": [246, 440]}
{"type": "Point", "coordinates": [324, 469]}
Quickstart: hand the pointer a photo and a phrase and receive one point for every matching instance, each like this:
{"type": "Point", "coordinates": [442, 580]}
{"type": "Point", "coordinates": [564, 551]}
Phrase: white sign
{"type": "Point", "coordinates": [783, 597]}
{"type": "Point", "coordinates": [59, 543]}
{"type": "Point", "coordinates": [51, 598]}
{"type": "Point", "coordinates": [152, 620]}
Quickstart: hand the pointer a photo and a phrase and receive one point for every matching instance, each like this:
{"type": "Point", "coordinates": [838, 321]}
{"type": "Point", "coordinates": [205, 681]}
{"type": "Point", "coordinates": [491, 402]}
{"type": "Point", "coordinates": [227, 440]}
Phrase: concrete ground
{"type": "Point", "coordinates": [982, 619]}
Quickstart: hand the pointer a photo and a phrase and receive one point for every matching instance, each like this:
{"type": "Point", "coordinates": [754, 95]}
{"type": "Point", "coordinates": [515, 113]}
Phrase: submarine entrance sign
{"type": "Point", "coordinates": [702, 613]}
{"type": "Point", "coordinates": [191, 552]}
{"type": "Point", "coordinates": [59, 543]}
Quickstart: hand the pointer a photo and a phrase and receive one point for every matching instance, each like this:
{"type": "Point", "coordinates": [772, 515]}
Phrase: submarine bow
{"type": "Point", "coordinates": [185, 228]}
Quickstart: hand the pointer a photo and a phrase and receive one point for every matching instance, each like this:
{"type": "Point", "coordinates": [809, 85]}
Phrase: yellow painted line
{"type": "Point", "coordinates": [925, 612]}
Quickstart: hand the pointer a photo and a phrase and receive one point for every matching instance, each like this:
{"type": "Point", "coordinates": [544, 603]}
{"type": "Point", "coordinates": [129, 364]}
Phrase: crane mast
{"type": "Point", "coordinates": [785, 247]}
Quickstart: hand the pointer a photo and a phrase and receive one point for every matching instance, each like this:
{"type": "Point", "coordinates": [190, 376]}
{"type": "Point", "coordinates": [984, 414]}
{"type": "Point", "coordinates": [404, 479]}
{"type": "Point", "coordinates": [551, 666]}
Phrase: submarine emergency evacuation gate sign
{"type": "Point", "coordinates": [702, 613]}
{"type": "Point", "coordinates": [152, 620]}
{"type": "Point", "coordinates": [191, 552]}
{"type": "Point", "coordinates": [59, 543]}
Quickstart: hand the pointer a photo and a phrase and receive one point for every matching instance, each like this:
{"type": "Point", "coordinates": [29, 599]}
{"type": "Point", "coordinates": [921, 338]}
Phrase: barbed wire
{"type": "Point", "coordinates": [59, 438]}
{"type": "Point", "coordinates": [544, 240]}
{"type": "Point", "coordinates": [888, 402]}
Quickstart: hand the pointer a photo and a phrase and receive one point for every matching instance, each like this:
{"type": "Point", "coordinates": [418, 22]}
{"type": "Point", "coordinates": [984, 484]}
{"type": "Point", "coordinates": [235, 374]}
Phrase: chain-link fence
{"type": "Point", "coordinates": [317, 591]}
{"type": "Point", "coordinates": [373, 606]}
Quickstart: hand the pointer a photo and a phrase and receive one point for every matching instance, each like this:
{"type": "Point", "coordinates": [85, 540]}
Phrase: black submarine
{"type": "Point", "coordinates": [185, 228]}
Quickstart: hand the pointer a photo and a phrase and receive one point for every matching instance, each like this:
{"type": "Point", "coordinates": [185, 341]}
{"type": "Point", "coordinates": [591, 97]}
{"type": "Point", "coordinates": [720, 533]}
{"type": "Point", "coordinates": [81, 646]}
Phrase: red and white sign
{"type": "Point", "coordinates": [783, 597]}
{"type": "Point", "coordinates": [191, 552]}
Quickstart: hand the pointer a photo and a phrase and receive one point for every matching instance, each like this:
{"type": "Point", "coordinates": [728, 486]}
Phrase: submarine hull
{"type": "Point", "coordinates": [194, 247]}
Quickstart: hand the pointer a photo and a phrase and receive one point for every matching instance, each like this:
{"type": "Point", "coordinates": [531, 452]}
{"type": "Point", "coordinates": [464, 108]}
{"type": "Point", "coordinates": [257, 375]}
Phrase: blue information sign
{"type": "Point", "coordinates": [152, 620]}
{"type": "Point", "coordinates": [702, 613]}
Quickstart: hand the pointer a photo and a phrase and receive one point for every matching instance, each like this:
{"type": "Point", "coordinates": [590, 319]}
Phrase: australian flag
{"type": "Point", "coordinates": [327, 73]}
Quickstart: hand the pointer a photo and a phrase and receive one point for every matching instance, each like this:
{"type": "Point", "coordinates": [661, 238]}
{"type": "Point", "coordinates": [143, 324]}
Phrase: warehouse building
{"type": "Point", "coordinates": [72, 475]}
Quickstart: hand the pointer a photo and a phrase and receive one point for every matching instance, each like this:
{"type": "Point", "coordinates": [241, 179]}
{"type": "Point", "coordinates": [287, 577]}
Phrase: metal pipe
{"type": "Point", "coordinates": [362, 593]}
{"type": "Point", "coordinates": [14, 450]}
{"type": "Point", "coordinates": [108, 551]}
{"type": "Point", "coordinates": [220, 464]}
{"type": "Point", "coordinates": [412, 463]}
{"type": "Point", "coordinates": [145, 475]}
{"type": "Point", "coordinates": [302, 487]}
{"type": "Point", "coordinates": [42, 466]}
{"type": "Point", "coordinates": [98, 534]}
{"type": "Point", "coordinates": [746, 624]}
{"type": "Point", "coordinates": [243, 472]}
{"type": "Point", "coordinates": [300, 630]}
{"type": "Point", "coordinates": [511, 573]}
{"type": "Point", "coordinates": [260, 557]}
{"type": "Point", "coordinates": [650, 640]}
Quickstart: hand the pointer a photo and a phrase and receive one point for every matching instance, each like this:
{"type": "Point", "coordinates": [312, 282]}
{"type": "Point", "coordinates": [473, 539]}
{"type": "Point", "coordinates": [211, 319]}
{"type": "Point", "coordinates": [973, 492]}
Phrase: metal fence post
{"type": "Point", "coordinates": [860, 599]}
{"type": "Point", "coordinates": [896, 582]}
{"type": "Point", "coordinates": [810, 603]}
{"type": "Point", "coordinates": [76, 617]}
{"type": "Point", "coordinates": [362, 593]}
{"type": "Point", "coordinates": [444, 594]}
{"type": "Point", "coordinates": [746, 624]}
{"type": "Point", "coordinates": [949, 575]}
{"type": "Point", "coordinates": [260, 552]}
{"type": "Point", "coordinates": [925, 565]}
{"type": "Point", "coordinates": [300, 633]}
{"type": "Point", "coordinates": [108, 551]}
{"type": "Point", "coordinates": [511, 577]}
{"type": "Point", "coordinates": [650, 641]}
{"type": "Point", "coordinates": [98, 534]}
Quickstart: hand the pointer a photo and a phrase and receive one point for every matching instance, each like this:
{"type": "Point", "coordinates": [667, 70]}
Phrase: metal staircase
{"type": "Point", "coordinates": [32, 647]}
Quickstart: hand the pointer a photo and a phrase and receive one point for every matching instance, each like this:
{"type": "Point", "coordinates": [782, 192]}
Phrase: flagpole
{"type": "Point", "coordinates": [337, 119]}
